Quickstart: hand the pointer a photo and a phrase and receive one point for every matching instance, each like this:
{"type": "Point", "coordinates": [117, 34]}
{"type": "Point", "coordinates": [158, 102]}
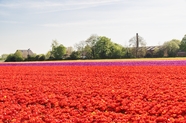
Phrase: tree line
{"type": "Point", "coordinates": [102, 47]}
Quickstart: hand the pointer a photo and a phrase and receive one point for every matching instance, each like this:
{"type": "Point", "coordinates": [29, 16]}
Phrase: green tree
{"type": "Point", "coordinates": [183, 44]}
{"type": "Point", "coordinates": [75, 55]}
{"type": "Point", "coordinates": [18, 56]}
{"type": "Point", "coordinates": [58, 50]}
{"type": "Point", "coordinates": [103, 48]}
{"type": "Point", "coordinates": [37, 58]}
{"type": "Point", "coordinates": [48, 54]}
{"type": "Point", "coordinates": [31, 58]}
{"type": "Point", "coordinates": [91, 42]}
{"type": "Point", "coordinates": [117, 51]}
{"type": "Point", "coordinates": [158, 52]}
{"type": "Point", "coordinates": [42, 57]}
{"type": "Point", "coordinates": [171, 47]}
{"type": "Point", "coordinates": [10, 58]}
{"type": "Point", "coordinates": [88, 52]}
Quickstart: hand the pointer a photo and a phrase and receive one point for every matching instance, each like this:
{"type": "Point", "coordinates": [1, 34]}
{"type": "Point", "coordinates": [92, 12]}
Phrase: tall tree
{"type": "Point", "coordinates": [105, 48]}
{"type": "Point", "coordinates": [58, 50]}
{"type": "Point", "coordinates": [91, 42]}
{"type": "Point", "coordinates": [88, 52]}
{"type": "Point", "coordinates": [171, 47]}
{"type": "Point", "coordinates": [183, 44]}
{"type": "Point", "coordinates": [102, 48]}
{"type": "Point", "coordinates": [48, 54]}
{"type": "Point", "coordinates": [18, 56]}
{"type": "Point", "coordinates": [10, 58]}
{"type": "Point", "coordinates": [117, 51]}
{"type": "Point", "coordinates": [75, 55]}
{"type": "Point", "coordinates": [158, 52]}
{"type": "Point", "coordinates": [140, 50]}
{"type": "Point", "coordinates": [80, 47]}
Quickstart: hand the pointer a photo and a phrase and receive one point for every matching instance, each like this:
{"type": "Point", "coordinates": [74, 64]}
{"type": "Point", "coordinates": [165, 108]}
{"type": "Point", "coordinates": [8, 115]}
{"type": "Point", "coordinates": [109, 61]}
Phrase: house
{"type": "Point", "coordinates": [181, 54]}
{"type": "Point", "coordinates": [25, 53]}
{"type": "Point", "coordinates": [151, 49]}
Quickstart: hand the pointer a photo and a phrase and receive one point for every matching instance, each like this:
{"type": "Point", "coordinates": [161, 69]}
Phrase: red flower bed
{"type": "Point", "coordinates": [93, 94]}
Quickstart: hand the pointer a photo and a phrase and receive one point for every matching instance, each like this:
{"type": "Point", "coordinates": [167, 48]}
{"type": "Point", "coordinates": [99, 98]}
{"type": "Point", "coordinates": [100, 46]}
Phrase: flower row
{"type": "Point", "coordinates": [56, 94]}
{"type": "Point", "coordinates": [100, 63]}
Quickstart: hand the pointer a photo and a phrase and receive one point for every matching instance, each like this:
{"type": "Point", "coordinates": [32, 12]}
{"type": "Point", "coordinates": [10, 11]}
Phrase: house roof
{"type": "Point", "coordinates": [149, 48]}
{"type": "Point", "coordinates": [25, 53]}
{"type": "Point", "coordinates": [152, 47]}
{"type": "Point", "coordinates": [181, 53]}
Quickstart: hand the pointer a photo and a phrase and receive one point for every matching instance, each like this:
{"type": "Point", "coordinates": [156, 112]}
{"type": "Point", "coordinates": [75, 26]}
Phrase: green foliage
{"type": "Point", "coordinates": [35, 57]}
{"type": "Point", "coordinates": [91, 42]}
{"type": "Point", "coordinates": [103, 48]}
{"type": "Point", "coordinates": [10, 58]}
{"type": "Point", "coordinates": [171, 47]}
{"type": "Point", "coordinates": [158, 52]}
{"type": "Point", "coordinates": [40, 57]}
{"type": "Point", "coordinates": [30, 58]}
{"type": "Point", "coordinates": [88, 52]}
{"type": "Point", "coordinates": [58, 50]}
{"type": "Point", "coordinates": [128, 53]}
{"type": "Point", "coordinates": [18, 56]}
{"type": "Point", "coordinates": [99, 48]}
{"type": "Point", "coordinates": [75, 55]}
{"type": "Point", "coordinates": [48, 54]}
{"type": "Point", "coordinates": [183, 44]}
{"type": "Point", "coordinates": [117, 51]}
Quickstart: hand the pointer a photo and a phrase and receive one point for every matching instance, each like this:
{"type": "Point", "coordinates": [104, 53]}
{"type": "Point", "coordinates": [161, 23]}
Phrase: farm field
{"type": "Point", "coordinates": [99, 92]}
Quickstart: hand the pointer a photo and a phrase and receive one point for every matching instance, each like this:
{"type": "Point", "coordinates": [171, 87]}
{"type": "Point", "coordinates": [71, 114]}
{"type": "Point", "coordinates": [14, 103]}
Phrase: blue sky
{"type": "Point", "coordinates": [35, 23]}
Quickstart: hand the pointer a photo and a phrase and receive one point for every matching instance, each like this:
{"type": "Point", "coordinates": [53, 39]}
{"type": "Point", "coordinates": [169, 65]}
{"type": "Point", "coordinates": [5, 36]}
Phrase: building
{"type": "Point", "coordinates": [150, 49]}
{"type": "Point", "coordinates": [181, 54]}
{"type": "Point", "coordinates": [25, 53]}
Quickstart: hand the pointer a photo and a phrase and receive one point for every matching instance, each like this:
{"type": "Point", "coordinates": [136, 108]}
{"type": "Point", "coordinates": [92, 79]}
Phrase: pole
{"type": "Point", "coordinates": [137, 45]}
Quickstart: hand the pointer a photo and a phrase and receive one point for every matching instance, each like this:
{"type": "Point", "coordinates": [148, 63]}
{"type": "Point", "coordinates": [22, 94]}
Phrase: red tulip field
{"type": "Point", "coordinates": [93, 94]}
